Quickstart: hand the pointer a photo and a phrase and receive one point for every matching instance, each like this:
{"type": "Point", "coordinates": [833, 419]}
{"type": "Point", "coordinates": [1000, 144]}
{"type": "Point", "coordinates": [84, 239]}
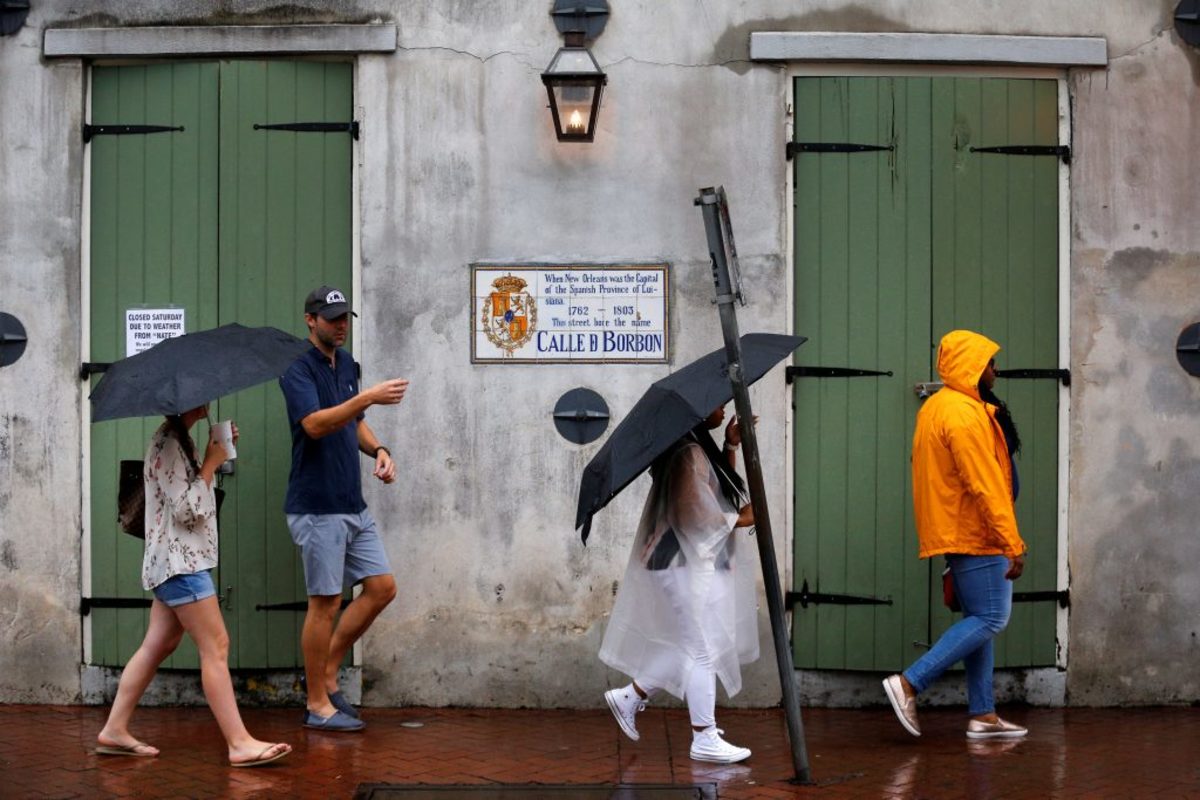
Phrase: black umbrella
{"type": "Point", "coordinates": [670, 408]}
{"type": "Point", "coordinates": [187, 371]}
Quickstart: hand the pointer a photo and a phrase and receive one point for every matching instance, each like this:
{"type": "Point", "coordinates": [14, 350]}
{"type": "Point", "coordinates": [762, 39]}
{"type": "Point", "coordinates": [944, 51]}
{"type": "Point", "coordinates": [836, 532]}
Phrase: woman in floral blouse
{"type": "Point", "coordinates": [181, 549]}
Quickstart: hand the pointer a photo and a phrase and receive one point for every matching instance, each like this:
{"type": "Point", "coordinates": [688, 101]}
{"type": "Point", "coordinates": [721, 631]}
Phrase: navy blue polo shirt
{"type": "Point", "coordinates": [324, 477]}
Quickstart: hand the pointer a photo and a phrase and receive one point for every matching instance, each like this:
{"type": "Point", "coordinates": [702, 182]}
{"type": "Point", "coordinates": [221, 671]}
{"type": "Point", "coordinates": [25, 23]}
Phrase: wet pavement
{"type": "Point", "coordinates": [46, 752]}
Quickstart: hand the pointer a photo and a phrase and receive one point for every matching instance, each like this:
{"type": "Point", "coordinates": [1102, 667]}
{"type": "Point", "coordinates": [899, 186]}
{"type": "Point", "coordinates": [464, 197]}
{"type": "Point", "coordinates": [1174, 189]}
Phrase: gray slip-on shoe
{"type": "Point", "coordinates": [337, 722]}
{"type": "Point", "coordinates": [342, 704]}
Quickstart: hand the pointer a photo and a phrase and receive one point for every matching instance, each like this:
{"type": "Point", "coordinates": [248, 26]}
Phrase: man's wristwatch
{"type": "Point", "coordinates": [730, 446]}
{"type": "Point", "coordinates": [377, 449]}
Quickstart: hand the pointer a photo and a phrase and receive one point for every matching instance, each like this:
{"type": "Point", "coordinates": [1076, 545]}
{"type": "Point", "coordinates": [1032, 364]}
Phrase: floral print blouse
{"type": "Point", "coordinates": [181, 514]}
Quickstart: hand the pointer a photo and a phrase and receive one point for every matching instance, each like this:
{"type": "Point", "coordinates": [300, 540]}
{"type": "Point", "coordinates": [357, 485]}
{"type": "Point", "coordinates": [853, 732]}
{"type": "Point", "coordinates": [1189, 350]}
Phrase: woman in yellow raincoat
{"type": "Point", "coordinates": [963, 501]}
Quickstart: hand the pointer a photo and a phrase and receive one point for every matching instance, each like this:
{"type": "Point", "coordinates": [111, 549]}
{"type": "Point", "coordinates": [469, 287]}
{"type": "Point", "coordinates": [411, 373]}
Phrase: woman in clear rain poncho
{"type": "Point", "coordinates": [685, 612]}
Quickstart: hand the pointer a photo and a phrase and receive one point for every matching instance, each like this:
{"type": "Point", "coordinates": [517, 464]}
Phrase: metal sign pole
{"type": "Point", "coordinates": [710, 202]}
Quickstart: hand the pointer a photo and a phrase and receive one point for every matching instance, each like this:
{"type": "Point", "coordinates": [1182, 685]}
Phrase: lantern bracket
{"type": "Point", "coordinates": [586, 16]}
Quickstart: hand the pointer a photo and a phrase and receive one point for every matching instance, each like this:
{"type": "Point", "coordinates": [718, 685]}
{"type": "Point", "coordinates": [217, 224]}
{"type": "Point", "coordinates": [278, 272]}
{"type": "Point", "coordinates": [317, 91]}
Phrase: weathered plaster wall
{"type": "Point", "coordinates": [1135, 457]}
{"type": "Point", "coordinates": [499, 604]}
{"type": "Point", "coordinates": [40, 163]}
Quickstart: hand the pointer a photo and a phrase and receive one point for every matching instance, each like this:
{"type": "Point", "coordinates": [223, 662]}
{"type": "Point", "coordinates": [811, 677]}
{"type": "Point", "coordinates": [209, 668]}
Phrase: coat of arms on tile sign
{"type": "Point", "coordinates": [509, 314]}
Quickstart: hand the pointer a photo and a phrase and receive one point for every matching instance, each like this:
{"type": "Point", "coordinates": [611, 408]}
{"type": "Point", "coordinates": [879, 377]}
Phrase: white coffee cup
{"type": "Point", "coordinates": [222, 432]}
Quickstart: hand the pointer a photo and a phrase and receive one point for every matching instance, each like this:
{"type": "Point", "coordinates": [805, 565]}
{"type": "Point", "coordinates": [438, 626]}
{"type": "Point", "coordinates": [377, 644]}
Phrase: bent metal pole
{"type": "Point", "coordinates": [710, 201]}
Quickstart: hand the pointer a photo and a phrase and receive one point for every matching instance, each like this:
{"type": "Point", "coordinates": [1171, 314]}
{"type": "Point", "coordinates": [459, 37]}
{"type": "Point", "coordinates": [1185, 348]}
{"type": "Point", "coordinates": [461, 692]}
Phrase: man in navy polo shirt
{"type": "Point", "coordinates": [326, 514]}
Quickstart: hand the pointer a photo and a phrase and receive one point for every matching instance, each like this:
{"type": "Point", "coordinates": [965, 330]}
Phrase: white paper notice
{"type": "Point", "coordinates": [146, 327]}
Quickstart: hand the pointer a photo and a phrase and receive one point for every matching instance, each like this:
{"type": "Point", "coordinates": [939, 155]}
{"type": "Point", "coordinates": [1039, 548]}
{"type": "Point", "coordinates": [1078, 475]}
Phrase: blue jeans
{"type": "Point", "coordinates": [986, 599]}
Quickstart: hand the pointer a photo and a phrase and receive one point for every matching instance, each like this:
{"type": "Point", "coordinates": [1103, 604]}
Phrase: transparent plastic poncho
{"type": "Point", "coordinates": [688, 589]}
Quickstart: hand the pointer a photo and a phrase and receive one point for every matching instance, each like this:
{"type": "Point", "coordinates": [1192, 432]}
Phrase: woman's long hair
{"type": "Point", "coordinates": [1004, 417]}
{"type": "Point", "coordinates": [730, 482]}
{"type": "Point", "coordinates": [176, 428]}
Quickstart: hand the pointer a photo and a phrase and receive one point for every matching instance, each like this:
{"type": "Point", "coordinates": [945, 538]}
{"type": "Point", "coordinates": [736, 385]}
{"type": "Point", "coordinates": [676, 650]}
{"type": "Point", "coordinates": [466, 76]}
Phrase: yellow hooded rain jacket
{"type": "Point", "coordinates": [962, 478]}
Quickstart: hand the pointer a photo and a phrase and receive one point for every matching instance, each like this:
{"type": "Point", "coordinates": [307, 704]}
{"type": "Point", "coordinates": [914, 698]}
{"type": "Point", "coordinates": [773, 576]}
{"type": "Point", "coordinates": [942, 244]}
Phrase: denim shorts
{"type": "Point", "coordinates": [338, 550]}
{"type": "Point", "coordinates": [180, 590]}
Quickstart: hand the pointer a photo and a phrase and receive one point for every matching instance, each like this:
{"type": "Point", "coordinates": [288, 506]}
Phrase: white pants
{"type": "Point", "coordinates": [700, 691]}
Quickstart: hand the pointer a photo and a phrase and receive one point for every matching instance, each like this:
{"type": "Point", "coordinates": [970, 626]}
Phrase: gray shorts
{"type": "Point", "coordinates": [338, 550]}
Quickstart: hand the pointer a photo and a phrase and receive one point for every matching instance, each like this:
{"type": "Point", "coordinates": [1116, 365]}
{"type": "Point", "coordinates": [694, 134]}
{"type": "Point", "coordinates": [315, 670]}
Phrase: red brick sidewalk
{"type": "Point", "coordinates": [45, 751]}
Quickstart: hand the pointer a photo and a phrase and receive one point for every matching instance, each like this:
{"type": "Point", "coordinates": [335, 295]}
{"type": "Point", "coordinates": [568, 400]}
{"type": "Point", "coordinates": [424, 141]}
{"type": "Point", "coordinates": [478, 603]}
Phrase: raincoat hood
{"type": "Point", "coordinates": [962, 358]}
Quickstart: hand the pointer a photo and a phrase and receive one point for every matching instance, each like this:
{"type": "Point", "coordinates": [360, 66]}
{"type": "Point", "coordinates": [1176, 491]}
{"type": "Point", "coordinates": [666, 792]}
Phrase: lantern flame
{"type": "Point", "coordinates": [575, 122]}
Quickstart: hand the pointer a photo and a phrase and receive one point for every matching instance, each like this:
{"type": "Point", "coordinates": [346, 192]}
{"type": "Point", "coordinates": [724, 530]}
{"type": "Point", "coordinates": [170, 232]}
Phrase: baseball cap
{"type": "Point", "coordinates": [327, 301]}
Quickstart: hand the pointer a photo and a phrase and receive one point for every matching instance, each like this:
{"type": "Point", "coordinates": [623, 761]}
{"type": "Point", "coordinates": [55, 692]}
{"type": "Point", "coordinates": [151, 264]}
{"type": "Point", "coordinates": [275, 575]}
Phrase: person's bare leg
{"type": "Point", "coordinates": [203, 622]}
{"type": "Point", "coordinates": [377, 592]}
{"type": "Point", "coordinates": [315, 642]}
{"type": "Point", "coordinates": [162, 637]}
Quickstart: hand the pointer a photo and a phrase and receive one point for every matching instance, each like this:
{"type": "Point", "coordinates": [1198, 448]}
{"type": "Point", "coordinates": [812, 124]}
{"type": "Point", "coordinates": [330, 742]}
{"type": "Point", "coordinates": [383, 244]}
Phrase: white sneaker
{"type": "Point", "coordinates": [707, 745]}
{"type": "Point", "coordinates": [624, 705]}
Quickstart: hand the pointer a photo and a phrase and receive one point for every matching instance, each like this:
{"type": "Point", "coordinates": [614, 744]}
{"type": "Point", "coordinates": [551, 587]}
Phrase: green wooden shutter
{"type": "Point", "coordinates": [153, 242]}
{"type": "Point", "coordinates": [285, 229]}
{"type": "Point", "coordinates": [862, 294]}
{"type": "Point", "coordinates": [995, 270]}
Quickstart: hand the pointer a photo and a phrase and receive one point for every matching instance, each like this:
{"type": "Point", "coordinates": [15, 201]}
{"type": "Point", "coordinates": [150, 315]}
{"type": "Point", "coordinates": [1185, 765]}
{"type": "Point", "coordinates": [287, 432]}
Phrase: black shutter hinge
{"type": "Point", "coordinates": [296, 605]}
{"type": "Point", "coordinates": [124, 130]}
{"type": "Point", "coordinates": [313, 127]}
{"type": "Point", "coordinates": [805, 598]}
{"type": "Point", "coordinates": [86, 604]}
{"type": "Point", "coordinates": [1058, 150]}
{"type": "Point", "coordinates": [794, 148]}
{"type": "Point", "coordinates": [1063, 375]}
{"type": "Point", "coordinates": [89, 368]}
{"type": "Point", "coordinates": [1063, 598]}
{"type": "Point", "coordinates": [792, 373]}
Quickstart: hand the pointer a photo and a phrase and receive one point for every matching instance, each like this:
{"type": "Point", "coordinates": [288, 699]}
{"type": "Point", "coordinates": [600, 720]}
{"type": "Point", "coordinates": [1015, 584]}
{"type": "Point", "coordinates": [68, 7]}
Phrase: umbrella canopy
{"type": "Point", "coordinates": [670, 408]}
{"type": "Point", "coordinates": [186, 372]}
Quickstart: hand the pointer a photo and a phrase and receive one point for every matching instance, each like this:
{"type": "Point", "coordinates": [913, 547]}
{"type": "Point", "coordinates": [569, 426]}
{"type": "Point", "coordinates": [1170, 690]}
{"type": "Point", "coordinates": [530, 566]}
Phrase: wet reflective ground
{"type": "Point", "coordinates": [45, 751]}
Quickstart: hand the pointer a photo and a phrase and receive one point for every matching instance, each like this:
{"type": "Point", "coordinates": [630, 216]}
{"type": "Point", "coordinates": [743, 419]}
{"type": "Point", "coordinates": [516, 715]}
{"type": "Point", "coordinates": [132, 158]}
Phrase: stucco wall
{"type": "Point", "coordinates": [40, 162]}
{"type": "Point", "coordinates": [499, 603]}
{"type": "Point", "coordinates": [1135, 457]}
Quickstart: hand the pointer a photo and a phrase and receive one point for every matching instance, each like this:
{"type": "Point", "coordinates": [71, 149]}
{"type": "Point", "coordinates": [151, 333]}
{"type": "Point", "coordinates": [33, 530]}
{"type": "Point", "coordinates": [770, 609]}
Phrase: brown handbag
{"type": "Point", "coordinates": [131, 499]}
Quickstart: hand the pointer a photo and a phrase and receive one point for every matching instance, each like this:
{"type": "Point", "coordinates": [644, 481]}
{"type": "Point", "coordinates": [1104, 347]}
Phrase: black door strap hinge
{"type": "Point", "coordinates": [296, 605]}
{"type": "Point", "coordinates": [86, 604]}
{"type": "Point", "coordinates": [1063, 598]}
{"type": "Point", "coordinates": [313, 127]}
{"type": "Point", "coordinates": [1063, 375]}
{"type": "Point", "coordinates": [1058, 150]}
{"type": "Point", "coordinates": [793, 148]}
{"type": "Point", "coordinates": [791, 373]}
{"type": "Point", "coordinates": [89, 368]}
{"type": "Point", "coordinates": [124, 130]}
{"type": "Point", "coordinates": [806, 598]}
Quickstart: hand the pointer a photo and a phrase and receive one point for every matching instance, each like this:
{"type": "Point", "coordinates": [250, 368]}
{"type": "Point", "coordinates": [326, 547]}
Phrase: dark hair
{"type": "Point", "coordinates": [1004, 417]}
{"type": "Point", "coordinates": [731, 483]}
{"type": "Point", "coordinates": [176, 428]}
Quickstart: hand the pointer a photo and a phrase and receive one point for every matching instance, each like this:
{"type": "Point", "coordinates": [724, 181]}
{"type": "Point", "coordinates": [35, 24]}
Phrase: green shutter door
{"type": "Point", "coordinates": [285, 229]}
{"type": "Point", "coordinates": [862, 294]}
{"type": "Point", "coordinates": [235, 225]}
{"type": "Point", "coordinates": [881, 273]}
{"type": "Point", "coordinates": [153, 243]}
{"type": "Point", "coordinates": [995, 270]}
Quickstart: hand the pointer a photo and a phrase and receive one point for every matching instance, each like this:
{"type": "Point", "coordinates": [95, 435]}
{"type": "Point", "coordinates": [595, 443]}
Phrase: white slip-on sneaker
{"type": "Point", "coordinates": [624, 705]}
{"type": "Point", "coordinates": [707, 745]}
{"type": "Point", "coordinates": [1000, 729]}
